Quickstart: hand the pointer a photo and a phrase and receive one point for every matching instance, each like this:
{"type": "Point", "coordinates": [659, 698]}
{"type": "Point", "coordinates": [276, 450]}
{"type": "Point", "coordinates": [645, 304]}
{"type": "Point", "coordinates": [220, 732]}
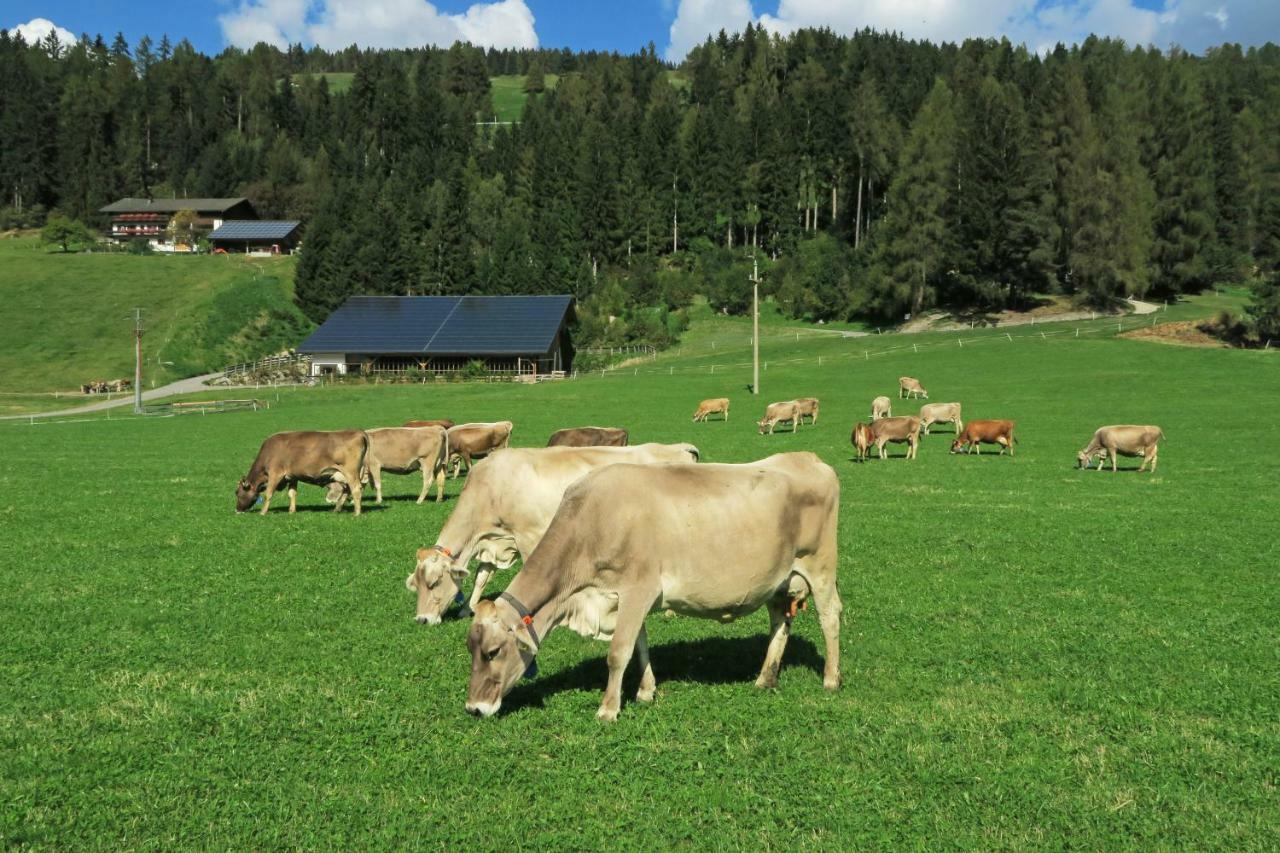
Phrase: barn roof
{"type": "Point", "coordinates": [172, 205]}
{"type": "Point", "coordinates": [442, 325]}
{"type": "Point", "coordinates": [254, 229]}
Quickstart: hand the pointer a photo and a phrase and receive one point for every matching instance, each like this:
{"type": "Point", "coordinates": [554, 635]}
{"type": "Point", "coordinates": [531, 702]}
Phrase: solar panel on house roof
{"type": "Point", "coordinates": [254, 229]}
{"type": "Point", "coordinates": [441, 325]}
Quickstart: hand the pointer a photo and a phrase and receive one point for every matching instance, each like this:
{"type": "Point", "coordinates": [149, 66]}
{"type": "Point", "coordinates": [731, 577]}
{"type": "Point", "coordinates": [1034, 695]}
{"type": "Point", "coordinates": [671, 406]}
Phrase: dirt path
{"type": "Point", "coordinates": [1140, 307]}
{"type": "Point", "coordinates": [182, 386]}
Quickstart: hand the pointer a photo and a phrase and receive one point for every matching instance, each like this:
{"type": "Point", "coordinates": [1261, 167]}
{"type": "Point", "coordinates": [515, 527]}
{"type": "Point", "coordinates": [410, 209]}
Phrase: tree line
{"type": "Point", "coordinates": [873, 175]}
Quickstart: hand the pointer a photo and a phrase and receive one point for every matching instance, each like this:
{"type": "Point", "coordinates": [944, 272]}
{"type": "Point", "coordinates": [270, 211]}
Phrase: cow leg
{"type": "Point", "coordinates": [483, 573]}
{"type": "Point", "coordinates": [293, 496]}
{"type": "Point", "coordinates": [1114, 458]}
{"type": "Point", "coordinates": [426, 480]}
{"type": "Point", "coordinates": [827, 599]}
{"type": "Point", "coordinates": [375, 473]}
{"type": "Point", "coordinates": [357, 489]}
{"type": "Point", "coordinates": [1154, 451]}
{"type": "Point", "coordinates": [779, 631]}
{"type": "Point", "coordinates": [266, 495]}
{"type": "Point", "coordinates": [631, 612]}
{"type": "Point", "coordinates": [648, 683]}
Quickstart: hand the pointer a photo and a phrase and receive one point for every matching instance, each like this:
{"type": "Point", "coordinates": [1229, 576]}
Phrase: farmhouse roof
{"type": "Point", "coordinates": [254, 229]}
{"type": "Point", "coordinates": [172, 205]}
{"type": "Point", "coordinates": [442, 325]}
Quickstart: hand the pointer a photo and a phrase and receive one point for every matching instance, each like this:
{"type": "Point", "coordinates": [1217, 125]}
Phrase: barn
{"type": "Point", "coordinates": [520, 335]}
{"type": "Point", "coordinates": [149, 218]}
{"type": "Point", "coordinates": [256, 236]}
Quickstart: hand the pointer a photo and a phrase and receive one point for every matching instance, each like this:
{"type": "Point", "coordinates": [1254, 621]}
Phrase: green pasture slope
{"type": "Point", "coordinates": [67, 317]}
{"type": "Point", "coordinates": [1034, 656]}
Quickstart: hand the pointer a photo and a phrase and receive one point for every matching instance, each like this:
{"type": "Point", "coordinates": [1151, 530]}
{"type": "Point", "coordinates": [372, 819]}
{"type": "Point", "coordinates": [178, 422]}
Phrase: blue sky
{"type": "Point", "coordinates": [672, 25]}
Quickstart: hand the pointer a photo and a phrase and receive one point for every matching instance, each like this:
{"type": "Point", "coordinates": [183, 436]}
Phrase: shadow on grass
{"type": "Point", "coordinates": [714, 660]}
{"type": "Point", "coordinates": [431, 498]}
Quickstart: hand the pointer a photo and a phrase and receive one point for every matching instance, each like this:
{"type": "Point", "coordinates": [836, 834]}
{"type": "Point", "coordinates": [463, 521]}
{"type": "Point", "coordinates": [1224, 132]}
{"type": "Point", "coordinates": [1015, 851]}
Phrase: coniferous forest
{"type": "Point", "coordinates": [873, 175]}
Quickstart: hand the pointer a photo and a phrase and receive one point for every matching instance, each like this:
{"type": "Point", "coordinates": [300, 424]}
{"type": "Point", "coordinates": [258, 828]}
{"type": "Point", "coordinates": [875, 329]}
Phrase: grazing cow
{"type": "Point", "coordinates": [881, 408]}
{"type": "Point", "coordinates": [720, 405]}
{"type": "Point", "coordinates": [403, 450]}
{"type": "Point", "coordinates": [588, 437]}
{"type": "Point", "coordinates": [977, 433]}
{"type": "Point", "coordinates": [474, 441]}
{"type": "Point", "coordinates": [320, 458]}
{"type": "Point", "coordinates": [442, 422]}
{"type": "Point", "coordinates": [117, 385]}
{"type": "Point", "coordinates": [504, 510]}
{"type": "Point", "coordinates": [880, 432]}
{"type": "Point", "coordinates": [716, 541]}
{"type": "Point", "coordinates": [778, 412]}
{"type": "Point", "coordinates": [909, 387]}
{"type": "Point", "coordinates": [1123, 440]}
{"type": "Point", "coordinates": [808, 407]}
{"type": "Point", "coordinates": [940, 413]}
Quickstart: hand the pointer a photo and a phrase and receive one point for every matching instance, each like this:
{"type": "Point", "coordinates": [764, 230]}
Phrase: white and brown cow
{"type": "Point", "coordinates": [320, 458]}
{"type": "Point", "coordinates": [1123, 440]}
{"type": "Point", "coordinates": [718, 405]}
{"type": "Point", "coordinates": [776, 413]}
{"type": "Point", "coordinates": [910, 387]}
{"type": "Point", "coordinates": [940, 413]}
{"type": "Point", "coordinates": [715, 541]}
{"type": "Point", "coordinates": [503, 511]}
{"type": "Point", "coordinates": [468, 442]}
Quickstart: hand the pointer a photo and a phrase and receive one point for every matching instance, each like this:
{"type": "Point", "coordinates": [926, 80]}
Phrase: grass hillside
{"type": "Point", "coordinates": [68, 316]}
{"type": "Point", "coordinates": [1034, 656]}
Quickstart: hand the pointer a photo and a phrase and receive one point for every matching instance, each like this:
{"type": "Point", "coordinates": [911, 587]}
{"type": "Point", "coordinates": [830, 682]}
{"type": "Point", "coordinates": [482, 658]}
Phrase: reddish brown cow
{"type": "Point", "coordinates": [977, 433]}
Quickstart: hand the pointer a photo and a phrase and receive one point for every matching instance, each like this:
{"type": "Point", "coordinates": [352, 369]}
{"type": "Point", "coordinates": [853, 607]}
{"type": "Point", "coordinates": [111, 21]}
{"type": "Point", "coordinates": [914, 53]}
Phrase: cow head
{"type": "Point", "coordinates": [958, 445]}
{"type": "Point", "coordinates": [247, 493]}
{"type": "Point", "coordinates": [438, 583]}
{"type": "Point", "coordinates": [763, 423]}
{"type": "Point", "coordinates": [501, 651]}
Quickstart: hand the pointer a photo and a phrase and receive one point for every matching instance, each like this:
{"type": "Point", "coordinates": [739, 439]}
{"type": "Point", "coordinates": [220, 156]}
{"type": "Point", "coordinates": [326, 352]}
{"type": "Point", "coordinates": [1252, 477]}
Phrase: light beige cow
{"type": "Point", "coordinates": [715, 541]}
{"type": "Point", "coordinates": [808, 407]}
{"type": "Point", "coordinates": [1123, 440]}
{"type": "Point", "coordinates": [719, 405]}
{"type": "Point", "coordinates": [403, 450]}
{"type": "Point", "coordinates": [503, 511]}
{"type": "Point", "coordinates": [909, 387]}
{"type": "Point", "coordinates": [468, 442]}
{"type": "Point", "coordinates": [881, 407]}
{"type": "Point", "coordinates": [898, 430]}
{"type": "Point", "coordinates": [940, 413]}
{"type": "Point", "coordinates": [776, 413]}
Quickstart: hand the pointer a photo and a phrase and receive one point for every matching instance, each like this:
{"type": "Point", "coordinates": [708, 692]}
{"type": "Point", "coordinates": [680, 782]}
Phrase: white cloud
{"type": "Point", "coordinates": [335, 24]}
{"type": "Point", "coordinates": [37, 29]}
{"type": "Point", "coordinates": [1040, 24]}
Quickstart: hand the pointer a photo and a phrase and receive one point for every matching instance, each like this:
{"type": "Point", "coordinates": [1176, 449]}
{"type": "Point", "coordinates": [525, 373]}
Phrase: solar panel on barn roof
{"type": "Point", "coordinates": [254, 229]}
{"type": "Point", "coordinates": [441, 325]}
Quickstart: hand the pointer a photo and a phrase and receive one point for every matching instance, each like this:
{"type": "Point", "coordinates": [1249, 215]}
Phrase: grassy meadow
{"type": "Point", "coordinates": [1034, 656]}
{"type": "Point", "coordinates": [68, 317]}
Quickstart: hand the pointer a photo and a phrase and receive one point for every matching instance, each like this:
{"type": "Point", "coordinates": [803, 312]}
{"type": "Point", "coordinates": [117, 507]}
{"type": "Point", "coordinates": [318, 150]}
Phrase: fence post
{"type": "Point", "coordinates": [866, 355]}
{"type": "Point", "coordinates": [915, 348]}
{"type": "Point", "coordinates": [1077, 333]}
{"type": "Point", "coordinates": [1119, 327]}
{"type": "Point", "coordinates": [1009, 336]}
{"type": "Point", "coordinates": [1042, 337]}
{"type": "Point", "coordinates": [819, 361]}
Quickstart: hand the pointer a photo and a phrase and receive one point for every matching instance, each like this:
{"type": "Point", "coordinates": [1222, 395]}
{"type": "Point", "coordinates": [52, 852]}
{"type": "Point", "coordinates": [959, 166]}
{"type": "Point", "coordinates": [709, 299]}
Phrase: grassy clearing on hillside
{"type": "Point", "coordinates": [508, 95]}
{"type": "Point", "coordinates": [339, 81]}
{"type": "Point", "coordinates": [1034, 656]}
{"type": "Point", "coordinates": [68, 317]}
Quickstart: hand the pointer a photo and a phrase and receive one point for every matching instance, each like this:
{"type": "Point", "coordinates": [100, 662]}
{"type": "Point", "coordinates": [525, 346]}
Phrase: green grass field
{"type": "Point", "coordinates": [68, 317]}
{"type": "Point", "coordinates": [1034, 656]}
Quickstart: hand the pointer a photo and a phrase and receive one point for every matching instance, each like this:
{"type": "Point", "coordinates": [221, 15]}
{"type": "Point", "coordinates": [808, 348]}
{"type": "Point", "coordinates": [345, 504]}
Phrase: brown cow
{"type": "Point", "coordinates": [720, 405]}
{"type": "Point", "coordinates": [443, 422]}
{"type": "Point", "coordinates": [787, 410]}
{"type": "Point", "coordinates": [588, 437]}
{"type": "Point", "coordinates": [909, 387]}
{"type": "Point", "coordinates": [884, 430]}
{"type": "Point", "coordinates": [977, 433]}
{"type": "Point", "coordinates": [319, 458]}
{"type": "Point", "coordinates": [940, 413]}
{"type": "Point", "coordinates": [808, 407]}
{"type": "Point", "coordinates": [474, 441]}
{"type": "Point", "coordinates": [1123, 440]}
{"type": "Point", "coordinates": [881, 407]}
{"type": "Point", "coordinates": [403, 450]}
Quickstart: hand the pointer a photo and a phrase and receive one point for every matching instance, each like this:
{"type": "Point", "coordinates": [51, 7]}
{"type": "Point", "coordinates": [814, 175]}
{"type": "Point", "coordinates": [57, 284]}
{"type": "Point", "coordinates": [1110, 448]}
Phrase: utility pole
{"type": "Point", "coordinates": [755, 325]}
{"type": "Point", "coordinates": [137, 361]}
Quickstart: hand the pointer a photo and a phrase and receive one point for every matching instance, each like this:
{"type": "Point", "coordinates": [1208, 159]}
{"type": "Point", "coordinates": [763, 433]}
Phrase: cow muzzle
{"type": "Point", "coordinates": [427, 619]}
{"type": "Point", "coordinates": [483, 709]}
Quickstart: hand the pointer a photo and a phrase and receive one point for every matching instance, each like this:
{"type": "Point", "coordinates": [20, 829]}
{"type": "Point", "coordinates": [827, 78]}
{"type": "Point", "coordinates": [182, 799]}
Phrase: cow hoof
{"type": "Point", "coordinates": [767, 683]}
{"type": "Point", "coordinates": [643, 695]}
{"type": "Point", "coordinates": [607, 715]}
{"type": "Point", "coordinates": [832, 684]}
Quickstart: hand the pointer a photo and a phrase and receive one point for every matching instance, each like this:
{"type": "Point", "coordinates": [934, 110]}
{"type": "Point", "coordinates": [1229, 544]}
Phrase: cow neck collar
{"type": "Point", "coordinates": [526, 617]}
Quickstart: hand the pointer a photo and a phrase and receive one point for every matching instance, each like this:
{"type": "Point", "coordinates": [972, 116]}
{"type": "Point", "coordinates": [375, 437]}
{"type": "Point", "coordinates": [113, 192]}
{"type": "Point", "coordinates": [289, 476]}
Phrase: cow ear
{"type": "Point", "coordinates": [411, 582]}
{"type": "Point", "coordinates": [522, 640]}
{"type": "Point", "coordinates": [459, 572]}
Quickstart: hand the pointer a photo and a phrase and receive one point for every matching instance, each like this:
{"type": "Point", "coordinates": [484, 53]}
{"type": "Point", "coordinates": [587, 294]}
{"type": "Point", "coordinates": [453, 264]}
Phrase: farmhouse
{"type": "Point", "coordinates": [256, 236]}
{"type": "Point", "coordinates": [523, 335]}
{"type": "Point", "coordinates": [150, 218]}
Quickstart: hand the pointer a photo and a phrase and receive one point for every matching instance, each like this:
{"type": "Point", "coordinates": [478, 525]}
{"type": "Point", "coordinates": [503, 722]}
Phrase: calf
{"type": "Point", "coordinates": [1123, 440]}
{"type": "Point", "coordinates": [778, 412]}
{"type": "Point", "coordinates": [474, 441]}
{"type": "Point", "coordinates": [940, 413]}
{"type": "Point", "coordinates": [885, 430]}
{"type": "Point", "coordinates": [319, 458]}
{"type": "Point", "coordinates": [977, 433]}
{"type": "Point", "coordinates": [720, 405]}
{"type": "Point", "coordinates": [909, 387]}
{"type": "Point", "coordinates": [588, 437]}
{"type": "Point", "coordinates": [881, 407]}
